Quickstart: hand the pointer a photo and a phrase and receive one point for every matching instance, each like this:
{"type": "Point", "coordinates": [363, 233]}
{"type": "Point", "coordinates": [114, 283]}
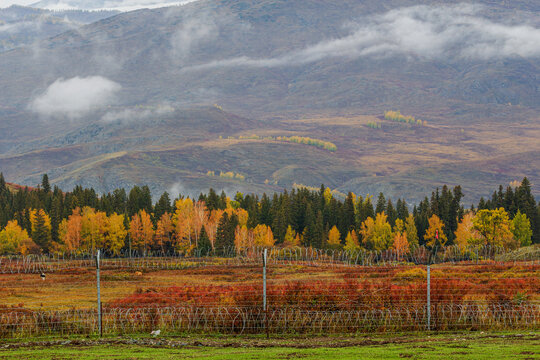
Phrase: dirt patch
{"type": "Point", "coordinates": [295, 356]}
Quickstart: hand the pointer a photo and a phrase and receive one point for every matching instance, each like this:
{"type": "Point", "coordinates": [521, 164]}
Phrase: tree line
{"type": "Point", "coordinates": [48, 220]}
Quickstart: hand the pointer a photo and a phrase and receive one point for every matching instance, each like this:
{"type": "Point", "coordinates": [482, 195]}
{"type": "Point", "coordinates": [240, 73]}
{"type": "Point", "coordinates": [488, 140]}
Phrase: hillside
{"type": "Point", "coordinates": [22, 26]}
{"type": "Point", "coordinates": [140, 89]}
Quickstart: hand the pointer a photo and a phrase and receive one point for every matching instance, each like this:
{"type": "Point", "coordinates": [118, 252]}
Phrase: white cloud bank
{"type": "Point", "coordinates": [419, 31]}
{"type": "Point", "coordinates": [75, 97]}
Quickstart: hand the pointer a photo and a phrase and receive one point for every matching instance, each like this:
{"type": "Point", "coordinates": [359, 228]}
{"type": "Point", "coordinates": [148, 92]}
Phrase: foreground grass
{"type": "Point", "coordinates": [446, 346]}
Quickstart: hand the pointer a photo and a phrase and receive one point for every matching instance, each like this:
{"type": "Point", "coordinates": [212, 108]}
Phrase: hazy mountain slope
{"type": "Point", "coordinates": [20, 25]}
{"type": "Point", "coordinates": [120, 99]}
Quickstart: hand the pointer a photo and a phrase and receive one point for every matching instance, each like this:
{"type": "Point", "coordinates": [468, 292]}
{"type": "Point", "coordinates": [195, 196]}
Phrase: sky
{"type": "Point", "coordinates": [120, 5]}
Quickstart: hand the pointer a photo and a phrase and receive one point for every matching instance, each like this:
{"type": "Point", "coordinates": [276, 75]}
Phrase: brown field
{"type": "Point", "coordinates": [76, 287]}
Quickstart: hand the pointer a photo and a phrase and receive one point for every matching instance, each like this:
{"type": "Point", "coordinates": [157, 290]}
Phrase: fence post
{"type": "Point", "coordinates": [98, 294]}
{"type": "Point", "coordinates": [265, 254]}
{"type": "Point", "coordinates": [428, 299]}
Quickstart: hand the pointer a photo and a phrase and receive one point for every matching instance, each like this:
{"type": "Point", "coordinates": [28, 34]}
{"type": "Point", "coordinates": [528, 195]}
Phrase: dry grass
{"type": "Point", "coordinates": [77, 288]}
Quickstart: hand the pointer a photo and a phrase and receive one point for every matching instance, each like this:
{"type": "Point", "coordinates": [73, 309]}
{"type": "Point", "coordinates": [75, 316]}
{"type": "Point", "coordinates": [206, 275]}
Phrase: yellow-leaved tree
{"type": "Point", "coordinates": [184, 225]}
{"type": "Point", "coordinates": [242, 238]}
{"type": "Point", "coordinates": [412, 232]}
{"type": "Point", "coordinates": [263, 236]}
{"type": "Point", "coordinates": [116, 233]}
{"type": "Point", "coordinates": [212, 224]}
{"type": "Point", "coordinates": [435, 236]}
{"type": "Point", "coordinates": [15, 240]}
{"type": "Point", "coordinates": [200, 217]}
{"type": "Point", "coordinates": [466, 235]}
{"type": "Point", "coordinates": [376, 234]}
{"type": "Point", "coordinates": [495, 228]}
{"type": "Point", "coordinates": [93, 229]}
{"type": "Point", "coordinates": [291, 238]}
{"type": "Point", "coordinates": [351, 242]}
{"type": "Point", "coordinates": [334, 237]}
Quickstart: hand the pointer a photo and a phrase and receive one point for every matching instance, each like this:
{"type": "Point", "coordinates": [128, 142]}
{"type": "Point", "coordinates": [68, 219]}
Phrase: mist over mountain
{"type": "Point", "coordinates": [166, 96]}
{"type": "Point", "coordinates": [23, 26]}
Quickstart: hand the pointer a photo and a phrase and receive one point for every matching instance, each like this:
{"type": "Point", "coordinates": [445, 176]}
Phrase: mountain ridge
{"type": "Point", "coordinates": [279, 68]}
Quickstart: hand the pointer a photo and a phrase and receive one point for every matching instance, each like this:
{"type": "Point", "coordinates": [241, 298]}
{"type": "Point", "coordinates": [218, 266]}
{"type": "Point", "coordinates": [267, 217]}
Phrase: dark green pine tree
{"type": "Point", "coordinates": [224, 243]}
{"type": "Point", "coordinates": [308, 232]}
{"type": "Point", "coordinates": [421, 217]}
{"type": "Point", "coordinates": [212, 200]}
{"type": "Point", "coordinates": [145, 201]}
{"type": "Point", "coordinates": [527, 205]}
{"type": "Point", "coordinates": [392, 213]}
{"type": "Point", "coordinates": [482, 204]}
{"type": "Point", "coordinates": [222, 202]}
{"type": "Point", "coordinates": [45, 186]}
{"type": "Point", "coordinates": [162, 206]}
{"type": "Point", "coordinates": [348, 215]}
{"type": "Point", "coordinates": [41, 234]}
{"type": "Point", "coordinates": [434, 203]}
{"type": "Point", "coordinates": [3, 186]}
{"type": "Point", "coordinates": [133, 200]}
{"type": "Point", "coordinates": [455, 213]}
{"type": "Point", "coordinates": [252, 207]}
{"type": "Point", "coordinates": [204, 245]}
{"type": "Point", "coordinates": [402, 210]}
{"type": "Point", "coordinates": [56, 215]}
{"type": "Point", "coordinates": [510, 201]}
{"type": "Point", "coordinates": [265, 216]}
{"type": "Point", "coordinates": [319, 234]}
{"type": "Point", "coordinates": [381, 204]}
{"type": "Point", "coordinates": [6, 203]}
{"type": "Point", "coordinates": [222, 240]}
{"type": "Point", "coordinates": [281, 219]}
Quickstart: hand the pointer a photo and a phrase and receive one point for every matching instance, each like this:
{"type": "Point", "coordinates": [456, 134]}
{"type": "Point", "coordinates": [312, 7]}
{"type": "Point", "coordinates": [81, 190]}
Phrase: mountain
{"type": "Point", "coordinates": [167, 96]}
{"type": "Point", "coordinates": [21, 25]}
{"type": "Point", "coordinates": [114, 5]}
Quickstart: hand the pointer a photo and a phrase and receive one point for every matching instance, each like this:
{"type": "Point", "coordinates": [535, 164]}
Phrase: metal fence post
{"type": "Point", "coordinates": [428, 299]}
{"type": "Point", "coordinates": [265, 254]}
{"type": "Point", "coordinates": [98, 294]}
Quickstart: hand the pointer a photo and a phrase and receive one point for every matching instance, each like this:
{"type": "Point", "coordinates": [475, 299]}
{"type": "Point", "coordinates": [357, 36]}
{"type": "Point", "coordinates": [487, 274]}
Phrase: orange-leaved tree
{"type": "Point", "coordinates": [141, 231]}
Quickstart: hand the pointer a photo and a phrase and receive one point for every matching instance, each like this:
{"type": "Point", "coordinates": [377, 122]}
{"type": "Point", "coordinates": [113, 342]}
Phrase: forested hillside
{"type": "Point", "coordinates": [51, 221]}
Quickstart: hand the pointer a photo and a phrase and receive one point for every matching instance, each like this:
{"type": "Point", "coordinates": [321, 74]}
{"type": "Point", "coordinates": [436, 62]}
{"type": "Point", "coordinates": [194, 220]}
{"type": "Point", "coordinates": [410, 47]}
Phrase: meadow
{"type": "Point", "coordinates": [506, 345]}
{"type": "Point", "coordinates": [222, 296]}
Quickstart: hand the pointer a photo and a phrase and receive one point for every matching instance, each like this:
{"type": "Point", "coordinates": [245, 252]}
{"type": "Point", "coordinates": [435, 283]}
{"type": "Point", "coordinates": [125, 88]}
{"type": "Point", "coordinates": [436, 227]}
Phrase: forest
{"type": "Point", "coordinates": [49, 220]}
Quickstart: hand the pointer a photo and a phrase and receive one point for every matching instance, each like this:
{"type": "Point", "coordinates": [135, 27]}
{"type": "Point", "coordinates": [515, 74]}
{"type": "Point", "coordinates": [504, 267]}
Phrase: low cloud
{"type": "Point", "coordinates": [194, 31]}
{"type": "Point", "coordinates": [129, 115]}
{"type": "Point", "coordinates": [200, 29]}
{"type": "Point", "coordinates": [177, 189]}
{"type": "Point", "coordinates": [425, 32]}
{"type": "Point", "coordinates": [75, 97]}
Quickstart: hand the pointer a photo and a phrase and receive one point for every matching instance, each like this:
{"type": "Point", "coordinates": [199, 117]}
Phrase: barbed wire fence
{"type": "Point", "coordinates": [276, 256]}
{"type": "Point", "coordinates": [306, 291]}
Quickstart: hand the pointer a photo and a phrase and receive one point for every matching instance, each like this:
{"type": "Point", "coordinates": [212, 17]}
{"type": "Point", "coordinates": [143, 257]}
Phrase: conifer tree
{"type": "Point", "coordinates": [204, 245]}
{"type": "Point", "coordinates": [45, 186]}
{"type": "Point", "coordinates": [381, 204]}
{"type": "Point", "coordinates": [41, 233]}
